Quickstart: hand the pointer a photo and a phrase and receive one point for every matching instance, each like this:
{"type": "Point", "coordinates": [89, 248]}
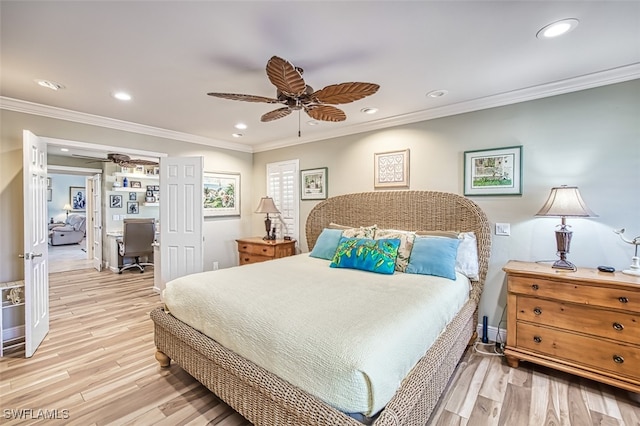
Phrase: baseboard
{"type": "Point", "coordinates": [493, 333]}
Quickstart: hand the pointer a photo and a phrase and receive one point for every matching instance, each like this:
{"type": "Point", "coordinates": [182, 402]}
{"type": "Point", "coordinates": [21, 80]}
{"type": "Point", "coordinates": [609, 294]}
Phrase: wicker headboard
{"type": "Point", "coordinates": [407, 210]}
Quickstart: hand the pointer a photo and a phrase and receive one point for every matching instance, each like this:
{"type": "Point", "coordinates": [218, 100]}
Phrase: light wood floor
{"type": "Point", "coordinates": [68, 257]}
{"type": "Point", "coordinates": [96, 367]}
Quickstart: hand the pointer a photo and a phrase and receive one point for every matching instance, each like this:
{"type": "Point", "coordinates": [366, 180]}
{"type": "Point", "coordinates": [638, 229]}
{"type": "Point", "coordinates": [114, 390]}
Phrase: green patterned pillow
{"type": "Point", "coordinates": [367, 254]}
{"type": "Point", "coordinates": [406, 244]}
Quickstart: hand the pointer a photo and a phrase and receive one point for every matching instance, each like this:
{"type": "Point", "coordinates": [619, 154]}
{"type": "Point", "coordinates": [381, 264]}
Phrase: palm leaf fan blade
{"type": "Point", "coordinates": [275, 114]}
{"type": "Point", "coordinates": [285, 77]}
{"type": "Point", "coordinates": [246, 98]}
{"type": "Point", "coordinates": [325, 113]}
{"type": "Point", "coordinates": [344, 93]}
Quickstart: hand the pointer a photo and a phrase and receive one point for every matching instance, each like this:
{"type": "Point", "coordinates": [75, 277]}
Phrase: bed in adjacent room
{"type": "Point", "coordinates": [367, 327]}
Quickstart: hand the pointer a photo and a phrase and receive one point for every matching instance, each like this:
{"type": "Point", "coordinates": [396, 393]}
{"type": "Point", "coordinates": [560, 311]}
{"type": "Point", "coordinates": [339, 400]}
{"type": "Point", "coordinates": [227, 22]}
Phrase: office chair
{"type": "Point", "coordinates": [137, 239]}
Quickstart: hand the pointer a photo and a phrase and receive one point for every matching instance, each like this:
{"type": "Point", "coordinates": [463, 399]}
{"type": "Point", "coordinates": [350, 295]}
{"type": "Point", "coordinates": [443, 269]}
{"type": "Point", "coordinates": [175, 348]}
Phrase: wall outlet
{"type": "Point", "coordinates": [503, 229]}
{"type": "Point", "coordinates": [215, 266]}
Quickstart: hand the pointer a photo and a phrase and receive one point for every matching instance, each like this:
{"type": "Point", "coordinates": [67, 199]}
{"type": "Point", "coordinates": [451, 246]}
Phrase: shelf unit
{"type": "Point", "coordinates": [13, 337]}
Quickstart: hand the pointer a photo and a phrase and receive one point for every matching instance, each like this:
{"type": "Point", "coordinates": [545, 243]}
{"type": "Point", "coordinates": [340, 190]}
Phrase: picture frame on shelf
{"type": "Point", "coordinates": [77, 198]}
{"type": "Point", "coordinates": [149, 199]}
{"type": "Point", "coordinates": [496, 171]}
{"type": "Point", "coordinates": [139, 169]}
{"type": "Point", "coordinates": [135, 184]}
{"type": "Point", "coordinates": [221, 194]}
{"type": "Point", "coordinates": [133, 196]}
{"type": "Point", "coordinates": [391, 169]}
{"type": "Point", "coordinates": [115, 201]}
{"type": "Point", "coordinates": [313, 184]}
{"type": "Point", "coordinates": [133, 207]}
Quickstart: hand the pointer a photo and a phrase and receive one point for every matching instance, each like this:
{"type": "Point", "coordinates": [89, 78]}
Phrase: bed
{"type": "Point", "coordinates": [265, 399]}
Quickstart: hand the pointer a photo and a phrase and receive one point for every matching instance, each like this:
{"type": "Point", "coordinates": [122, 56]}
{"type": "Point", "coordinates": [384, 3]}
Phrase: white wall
{"type": "Point", "coordinates": [590, 139]}
{"type": "Point", "coordinates": [60, 184]}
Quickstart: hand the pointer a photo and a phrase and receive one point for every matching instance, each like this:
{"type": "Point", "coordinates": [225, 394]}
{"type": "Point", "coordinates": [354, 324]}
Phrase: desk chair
{"type": "Point", "coordinates": [137, 239]}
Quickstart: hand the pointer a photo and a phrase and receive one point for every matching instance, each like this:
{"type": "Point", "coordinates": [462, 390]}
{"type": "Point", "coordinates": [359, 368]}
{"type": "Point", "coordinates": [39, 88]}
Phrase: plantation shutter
{"type": "Point", "coordinates": [282, 186]}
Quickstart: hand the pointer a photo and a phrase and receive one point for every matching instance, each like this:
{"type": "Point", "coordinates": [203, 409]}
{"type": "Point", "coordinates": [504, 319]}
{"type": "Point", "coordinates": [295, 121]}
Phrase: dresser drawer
{"type": "Point", "coordinates": [259, 249]}
{"type": "Point", "coordinates": [615, 298]}
{"type": "Point", "coordinates": [247, 258]}
{"type": "Point", "coordinates": [610, 324]}
{"type": "Point", "coordinates": [618, 359]}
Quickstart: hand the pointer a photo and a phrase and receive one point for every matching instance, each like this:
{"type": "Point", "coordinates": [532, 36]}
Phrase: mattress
{"type": "Point", "coordinates": [346, 336]}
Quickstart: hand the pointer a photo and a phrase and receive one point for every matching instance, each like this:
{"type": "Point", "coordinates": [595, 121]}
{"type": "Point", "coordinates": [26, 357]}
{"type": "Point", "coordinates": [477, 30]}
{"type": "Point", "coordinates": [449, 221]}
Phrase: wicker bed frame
{"type": "Point", "coordinates": [265, 399]}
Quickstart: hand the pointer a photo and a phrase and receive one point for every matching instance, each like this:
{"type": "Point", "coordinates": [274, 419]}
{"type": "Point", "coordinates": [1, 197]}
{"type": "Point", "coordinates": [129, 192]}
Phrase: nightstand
{"type": "Point", "coordinates": [255, 249]}
{"type": "Point", "coordinates": [585, 322]}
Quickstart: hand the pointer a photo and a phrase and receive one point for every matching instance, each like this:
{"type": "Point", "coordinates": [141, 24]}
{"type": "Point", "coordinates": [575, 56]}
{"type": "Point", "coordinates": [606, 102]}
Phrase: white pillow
{"type": "Point", "coordinates": [467, 259]}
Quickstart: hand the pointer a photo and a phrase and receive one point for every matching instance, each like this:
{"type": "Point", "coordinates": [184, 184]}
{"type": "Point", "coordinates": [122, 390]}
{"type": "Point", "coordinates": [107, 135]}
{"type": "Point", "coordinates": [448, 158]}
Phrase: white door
{"type": "Point", "coordinates": [36, 234]}
{"type": "Point", "coordinates": [181, 217]}
{"type": "Point", "coordinates": [96, 224]}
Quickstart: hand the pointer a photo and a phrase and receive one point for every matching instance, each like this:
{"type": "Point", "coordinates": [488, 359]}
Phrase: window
{"type": "Point", "coordinates": [282, 186]}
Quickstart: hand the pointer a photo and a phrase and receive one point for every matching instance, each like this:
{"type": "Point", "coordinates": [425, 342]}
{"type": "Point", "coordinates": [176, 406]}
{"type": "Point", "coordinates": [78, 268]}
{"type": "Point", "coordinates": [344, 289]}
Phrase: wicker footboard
{"type": "Point", "coordinates": [264, 399]}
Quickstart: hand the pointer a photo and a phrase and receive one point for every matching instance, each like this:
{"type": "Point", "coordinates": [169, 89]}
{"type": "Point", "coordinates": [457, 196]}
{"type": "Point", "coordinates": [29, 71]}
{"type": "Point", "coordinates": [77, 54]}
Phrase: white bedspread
{"type": "Point", "coordinates": [346, 336]}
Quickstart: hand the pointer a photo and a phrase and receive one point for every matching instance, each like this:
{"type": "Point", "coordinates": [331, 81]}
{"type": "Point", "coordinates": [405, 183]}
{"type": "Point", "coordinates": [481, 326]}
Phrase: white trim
{"type": "Point", "coordinates": [588, 81]}
{"type": "Point", "coordinates": [492, 333]}
{"type": "Point", "coordinates": [18, 105]}
{"type": "Point", "coordinates": [106, 148]}
{"type": "Point", "coordinates": [69, 170]}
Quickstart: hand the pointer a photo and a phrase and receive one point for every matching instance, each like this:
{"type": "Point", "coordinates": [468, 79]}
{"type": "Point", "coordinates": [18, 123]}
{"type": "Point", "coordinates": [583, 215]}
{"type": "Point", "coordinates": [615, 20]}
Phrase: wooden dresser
{"type": "Point", "coordinates": [255, 249]}
{"type": "Point", "coordinates": [585, 322]}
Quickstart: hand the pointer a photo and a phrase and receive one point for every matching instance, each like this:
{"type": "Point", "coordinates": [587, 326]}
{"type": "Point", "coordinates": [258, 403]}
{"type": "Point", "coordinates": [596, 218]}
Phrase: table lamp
{"type": "Point", "coordinates": [267, 206]}
{"type": "Point", "coordinates": [67, 207]}
{"type": "Point", "coordinates": [564, 201]}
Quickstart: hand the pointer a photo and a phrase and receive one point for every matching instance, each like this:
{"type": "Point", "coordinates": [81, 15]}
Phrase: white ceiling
{"type": "Point", "coordinates": [169, 54]}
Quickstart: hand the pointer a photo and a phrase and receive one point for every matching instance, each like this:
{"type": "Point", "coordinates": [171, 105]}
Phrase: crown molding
{"type": "Point", "coordinates": [588, 81]}
{"type": "Point", "coordinates": [26, 107]}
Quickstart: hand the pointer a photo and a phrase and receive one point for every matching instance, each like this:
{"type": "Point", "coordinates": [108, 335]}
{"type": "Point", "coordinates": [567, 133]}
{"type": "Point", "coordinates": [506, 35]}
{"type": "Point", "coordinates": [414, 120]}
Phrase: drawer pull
{"type": "Point", "coordinates": [537, 311]}
{"type": "Point", "coordinates": [264, 250]}
{"type": "Point", "coordinates": [537, 339]}
{"type": "Point", "coordinates": [244, 247]}
{"type": "Point", "coordinates": [534, 286]}
{"type": "Point", "coordinates": [617, 326]}
{"type": "Point", "coordinates": [246, 259]}
{"type": "Point", "coordinates": [623, 300]}
{"type": "Point", "coordinates": [618, 359]}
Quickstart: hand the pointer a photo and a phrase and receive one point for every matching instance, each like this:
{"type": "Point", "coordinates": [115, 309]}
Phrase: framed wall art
{"type": "Point", "coordinates": [221, 194]}
{"type": "Point", "coordinates": [133, 207]}
{"type": "Point", "coordinates": [493, 171]}
{"type": "Point", "coordinates": [115, 201]}
{"type": "Point", "coordinates": [77, 198]}
{"type": "Point", "coordinates": [391, 169]}
{"type": "Point", "coordinates": [313, 184]}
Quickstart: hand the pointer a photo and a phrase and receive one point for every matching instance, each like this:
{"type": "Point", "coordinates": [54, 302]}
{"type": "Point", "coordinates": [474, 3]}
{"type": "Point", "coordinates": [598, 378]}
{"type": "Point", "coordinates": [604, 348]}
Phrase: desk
{"type": "Point", "coordinates": [111, 260]}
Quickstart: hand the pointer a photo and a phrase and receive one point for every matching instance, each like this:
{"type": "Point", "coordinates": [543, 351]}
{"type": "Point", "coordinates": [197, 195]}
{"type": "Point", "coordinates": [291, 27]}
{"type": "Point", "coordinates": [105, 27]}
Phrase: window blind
{"type": "Point", "coordinates": [283, 187]}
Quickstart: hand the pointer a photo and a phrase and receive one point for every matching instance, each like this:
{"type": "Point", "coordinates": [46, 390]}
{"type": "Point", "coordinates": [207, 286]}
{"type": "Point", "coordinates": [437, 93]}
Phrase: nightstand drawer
{"type": "Point", "coordinates": [247, 258]}
{"type": "Point", "coordinates": [613, 325]}
{"type": "Point", "coordinates": [262, 250]}
{"type": "Point", "coordinates": [577, 293]}
{"type": "Point", "coordinates": [619, 359]}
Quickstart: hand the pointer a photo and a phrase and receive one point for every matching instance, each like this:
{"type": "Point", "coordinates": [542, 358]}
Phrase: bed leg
{"type": "Point", "coordinates": [162, 359]}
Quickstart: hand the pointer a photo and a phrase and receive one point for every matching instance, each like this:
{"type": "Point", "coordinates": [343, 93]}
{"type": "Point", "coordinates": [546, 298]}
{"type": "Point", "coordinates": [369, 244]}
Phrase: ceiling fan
{"type": "Point", "coordinates": [296, 95]}
{"type": "Point", "coordinates": [121, 160]}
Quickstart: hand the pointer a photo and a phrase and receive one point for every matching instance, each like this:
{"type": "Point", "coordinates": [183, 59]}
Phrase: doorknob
{"type": "Point", "coordinates": [28, 256]}
{"type": "Point", "coordinates": [36, 255]}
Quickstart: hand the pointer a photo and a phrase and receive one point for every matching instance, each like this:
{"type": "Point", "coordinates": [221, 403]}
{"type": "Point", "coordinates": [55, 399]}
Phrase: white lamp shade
{"type": "Point", "coordinates": [66, 207]}
{"type": "Point", "coordinates": [565, 201]}
{"type": "Point", "coordinates": [267, 206]}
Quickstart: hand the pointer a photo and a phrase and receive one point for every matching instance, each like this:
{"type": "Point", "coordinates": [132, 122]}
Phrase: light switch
{"type": "Point", "coordinates": [503, 229]}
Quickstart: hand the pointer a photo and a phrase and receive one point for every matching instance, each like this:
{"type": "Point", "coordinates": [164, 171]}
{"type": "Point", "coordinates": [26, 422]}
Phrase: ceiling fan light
{"type": "Point", "coordinates": [557, 28]}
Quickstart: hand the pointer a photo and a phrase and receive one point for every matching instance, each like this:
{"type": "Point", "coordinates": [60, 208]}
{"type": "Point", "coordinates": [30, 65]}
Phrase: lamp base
{"type": "Point", "coordinates": [564, 264]}
{"type": "Point", "coordinates": [634, 269]}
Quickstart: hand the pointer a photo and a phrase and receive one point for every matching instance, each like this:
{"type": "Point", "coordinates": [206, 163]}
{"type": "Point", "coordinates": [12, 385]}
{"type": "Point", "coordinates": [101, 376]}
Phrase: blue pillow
{"type": "Point", "coordinates": [367, 254]}
{"type": "Point", "coordinates": [434, 256]}
{"type": "Point", "coordinates": [326, 244]}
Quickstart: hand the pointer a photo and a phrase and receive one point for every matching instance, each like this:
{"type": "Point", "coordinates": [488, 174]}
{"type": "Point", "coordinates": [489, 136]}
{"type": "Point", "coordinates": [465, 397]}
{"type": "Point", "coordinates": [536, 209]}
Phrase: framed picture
{"type": "Point", "coordinates": [313, 184]}
{"type": "Point", "coordinates": [49, 194]}
{"type": "Point", "coordinates": [149, 199]}
{"type": "Point", "coordinates": [133, 207]}
{"type": "Point", "coordinates": [136, 184]}
{"type": "Point", "coordinates": [156, 170]}
{"type": "Point", "coordinates": [133, 196]}
{"type": "Point", "coordinates": [115, 201]}
{"type": "Point", "coordinates": [391, 169]}
{"type": "Point", "coordinates": [77, 198]}
{"type": "Point", "coordinates": [221, 196]}
{"type": "Point", "coordinates": [139, 169]}
{"type": "Point", "coordinates": [493, 171]}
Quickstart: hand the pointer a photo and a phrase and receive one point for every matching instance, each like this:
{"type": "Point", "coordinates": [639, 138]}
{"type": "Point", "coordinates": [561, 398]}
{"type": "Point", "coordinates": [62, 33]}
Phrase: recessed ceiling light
{"type": "Point", "coordinates": [64, 149]}
{"type": "Point", "coordinates": [237, 135]}
{"type": "Point", "coordinates": [49, 84]}
{"type": "Point", "coordinates": [437, 93]}
{"type": "Point", "coordinates": [240, 126]}
{"type": "Point", "coordinates": [557, 28]}
{"type": "Point", "coordinates": [369, 110]}
{"type": "Point", "coordinates": [122, 96]}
